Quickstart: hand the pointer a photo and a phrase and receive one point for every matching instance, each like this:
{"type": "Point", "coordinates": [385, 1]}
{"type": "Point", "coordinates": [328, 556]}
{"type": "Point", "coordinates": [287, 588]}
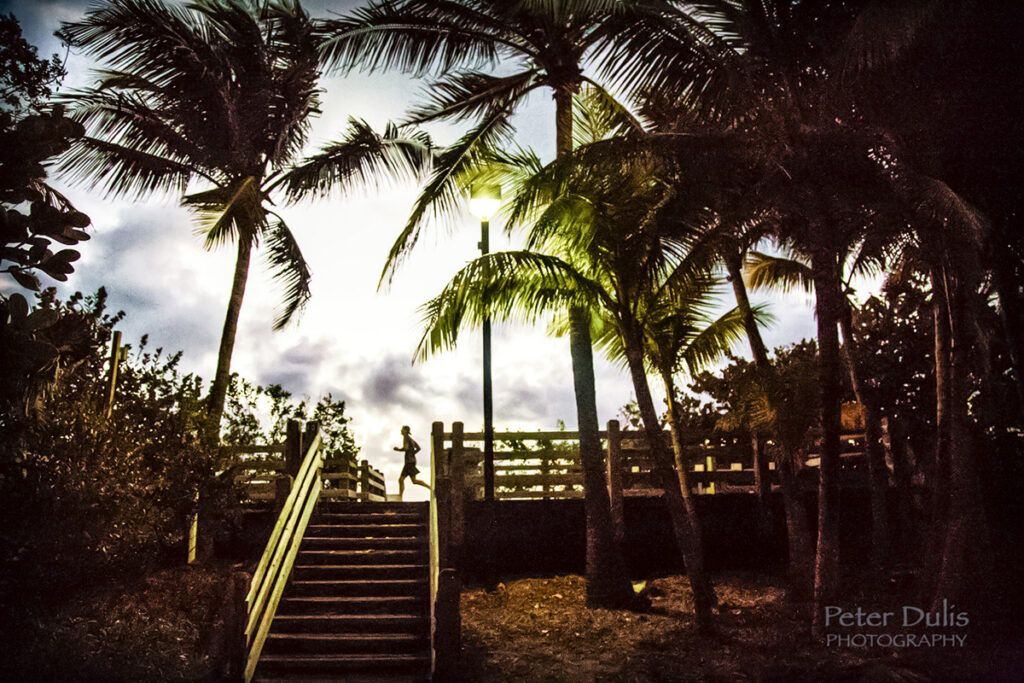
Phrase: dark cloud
{"type": "Point", "coordinates": [297, 368]}
{"type": "Point", "coordinates": [393, 381]}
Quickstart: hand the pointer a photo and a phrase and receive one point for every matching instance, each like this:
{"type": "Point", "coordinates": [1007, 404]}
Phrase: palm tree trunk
{"type": "Point", "coordinates": [678, 495]}
{"type": "Point", "coordinates": [608, 584]}
{"type": "Point", "coordinates": [798, 534]}
{"type": "Point", "coordinates": [938, 470]}
{"type": "Point", "coordinates": [965, 546]}
{"type": "Point", "coordinates": [800, 574]}
{"type": "Point", "coordinates": [878, 472]}
{"type": "Point", "coordinates": [825, 266]}
{"type": "Point", "coordinates": [733, 264]}
{"type": "Point", "coordinates": [219, 388]}
{"type": "Point", "coordinates": [1011, 312]}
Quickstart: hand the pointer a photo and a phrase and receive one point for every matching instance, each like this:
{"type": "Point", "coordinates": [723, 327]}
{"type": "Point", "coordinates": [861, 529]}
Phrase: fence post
{"type": "Point", "coordinates": [115, 362]}
{"type": "Point", "coordinates": [457, 467]}
{"type": "Point", "coordinates": [615, 479]}
{"type": "Point", "coordinates": [447, 625]}
{"type": "Point", "coordinates": [234, 626]}
{"type": "Point", "coordinates": [282, 487]}
{"type": "Point", "coordinates": [364, 480]}
{"type": "Point", "coordinates": [545, 469]}
{"type": "Point", "coordinates": [762, 483]}
{"type": "Point", "coordinates": [711, 467]}
{"type": "Point", "coordinates": [193, 531]}
{"type": "Point", "coordinates": [292, 448]}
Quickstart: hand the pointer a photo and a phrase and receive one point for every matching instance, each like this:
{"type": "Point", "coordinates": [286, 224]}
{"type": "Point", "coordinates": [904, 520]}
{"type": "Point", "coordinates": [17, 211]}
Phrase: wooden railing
{"type": "Point", "coordinates": [275, 565]}
{"type": "Point", "coordinates": [446, 536]}
{"type": "Point", "coordinates": [717, 463]}
{"type": "Point", "coordinates": [350, 479]}
{"type": "Point", "coordinates": [264, 476]}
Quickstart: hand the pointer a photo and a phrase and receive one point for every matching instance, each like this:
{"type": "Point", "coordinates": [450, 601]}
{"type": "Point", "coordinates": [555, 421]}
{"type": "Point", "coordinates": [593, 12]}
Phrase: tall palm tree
{"type": "Point", "coordinates": [788, 271]}
{"type": "Point", "coordinates": [211, 102]}
{"type": "Point", "coordinates": [623, 251]}
{"type": "Point", "coordinates": [548, 43]}
{"type": "Point", "coordinates": [759, 68]}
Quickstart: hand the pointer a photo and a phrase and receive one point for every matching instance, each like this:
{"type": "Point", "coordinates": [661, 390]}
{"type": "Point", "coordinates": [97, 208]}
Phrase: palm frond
{"type": "Point", "coordinates": [513, 286]}
{"type": "Point", "coordinates": [121, 171]}
{"type": "Point", "coordinates": [443, 194]}
{"type": "Point", "coordinates": [362, 157]}
{"type": "Point", "coordinates": [288, 268]}
{"type": "Point", "coordinates": [413, 36]}
{"type": "Point", "coordinates": [225, 213]}
{"type": "Point", "coordinates": [471, 94]}
{"type": "Point", "coordinates": [597, 115]}
{"type": "Point", "coordinates": [764, 271]}
{"type": "Point", "coordinates": [711, 344]}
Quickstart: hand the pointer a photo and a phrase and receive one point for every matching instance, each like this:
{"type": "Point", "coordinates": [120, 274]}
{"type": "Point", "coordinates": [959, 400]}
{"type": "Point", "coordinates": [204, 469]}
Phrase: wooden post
{"type": "Point", "coordinates": [312, 427]}
{"type": "Point", "coordinates": [292, 448]}
{"type": "Point", "coordinates": [193, 531]}
{"type": "Point", "coordinates": [711, 467]}
{"type": "Point", "coordinates": [364, 480]}
{"type": "Point", "coordinates": [234, 621]}
{"type": "Point", "coordinates": [282, 487]}
{"type": "Point", "coordinates": [447, 625]}
{"type": "Point", "coordinates": [457, 467]}
{"type": "Point", "coordinates": [545, 470]}
{"type": "Point", "coordinates": [115, 364]}
{"type": "Point", "coordinates": [762, 481]}
{"type": "Point", "coordinates": [615, 479]}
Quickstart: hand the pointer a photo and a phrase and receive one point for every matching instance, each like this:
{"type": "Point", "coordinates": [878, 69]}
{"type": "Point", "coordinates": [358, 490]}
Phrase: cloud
{"type": "Point", "coordinates": [394, 382]}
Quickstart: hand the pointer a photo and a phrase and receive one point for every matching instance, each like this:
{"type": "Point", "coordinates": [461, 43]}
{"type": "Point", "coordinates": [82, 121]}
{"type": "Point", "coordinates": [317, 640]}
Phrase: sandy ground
{"type": "Point", "coordinates": [539, 630]}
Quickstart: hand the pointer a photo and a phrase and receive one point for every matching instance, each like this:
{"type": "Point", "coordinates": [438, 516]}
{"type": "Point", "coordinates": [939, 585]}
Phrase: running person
{"type": "Point", "coordinates": [410, 448]}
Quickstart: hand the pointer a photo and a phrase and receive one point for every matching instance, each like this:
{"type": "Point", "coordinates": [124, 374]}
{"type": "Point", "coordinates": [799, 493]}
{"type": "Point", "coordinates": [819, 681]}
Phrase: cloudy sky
{"type": "Point", "coordinates": [353, 340]}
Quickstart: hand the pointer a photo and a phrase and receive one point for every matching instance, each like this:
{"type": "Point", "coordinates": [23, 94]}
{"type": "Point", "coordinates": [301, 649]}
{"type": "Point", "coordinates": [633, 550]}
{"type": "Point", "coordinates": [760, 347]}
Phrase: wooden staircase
{"type": "Point", "coordinates": [356, 607]}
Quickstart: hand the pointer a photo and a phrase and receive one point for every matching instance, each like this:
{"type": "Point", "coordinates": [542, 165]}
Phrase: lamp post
{"type": "Point", "coordinates": [484, 200]}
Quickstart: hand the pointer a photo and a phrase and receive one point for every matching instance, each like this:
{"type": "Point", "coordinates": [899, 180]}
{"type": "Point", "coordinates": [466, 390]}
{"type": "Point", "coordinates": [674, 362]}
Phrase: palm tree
{"type": "Point", "coordinates": [549, 43]}
{"type": "Point", "coordinates": [623, 251]}
{"type": "Point", "coordinates": [759, 69]}
{"type": "Point", "coordinates": [213, 103]}
{"type": "Point", "coordinates": [788, 272]}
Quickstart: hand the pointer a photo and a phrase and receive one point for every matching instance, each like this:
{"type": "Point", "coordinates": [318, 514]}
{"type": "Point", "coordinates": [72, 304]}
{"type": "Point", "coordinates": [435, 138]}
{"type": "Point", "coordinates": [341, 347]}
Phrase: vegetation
{"type": "Point", "coordinates": [776, 143]}
{"type": "Point", "coordinates": [218, 95]}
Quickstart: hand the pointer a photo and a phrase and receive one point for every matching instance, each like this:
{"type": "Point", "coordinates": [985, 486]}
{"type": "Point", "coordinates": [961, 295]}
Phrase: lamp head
{"type": "Point", "coordinates": [484, 200]}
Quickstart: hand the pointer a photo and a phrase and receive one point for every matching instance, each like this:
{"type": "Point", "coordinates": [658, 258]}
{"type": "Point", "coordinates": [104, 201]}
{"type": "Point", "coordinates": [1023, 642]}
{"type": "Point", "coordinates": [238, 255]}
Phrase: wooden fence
{"type": "Point", "coordinates": [265, 472]}
{"type": "Point", "coordinates": [551, 469]}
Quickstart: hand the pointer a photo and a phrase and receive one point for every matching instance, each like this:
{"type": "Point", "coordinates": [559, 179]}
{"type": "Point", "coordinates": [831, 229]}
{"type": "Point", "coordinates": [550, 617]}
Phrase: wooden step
{"type": "Point", "coordinates": [362, 530]}
{"type": "Point", "coordinates": [379, 664]}
{"type": "Point", "coordinates": [323, 517]}
{"type": "Point", "coordinates": [370, 572]}
{"type": "Point", "coordinates": [349, 507]}
{"type": "Point", "coordinates": [347, 643]}
{"type": "Point", "coordinates": [362, 543]}
{"type": "Point", "coordinates": [388, 604]}
{"type": "Point", "coordinates": [359, 587]}
{"type": "Point", "coordinates": [362, 556]}
{"type": "Point", "coordinates": [350, 623]}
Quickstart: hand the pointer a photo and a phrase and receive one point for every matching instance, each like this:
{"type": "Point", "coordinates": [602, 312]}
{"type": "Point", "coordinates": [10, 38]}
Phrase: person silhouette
{"type": "Point", "coordinates": [410, 448]}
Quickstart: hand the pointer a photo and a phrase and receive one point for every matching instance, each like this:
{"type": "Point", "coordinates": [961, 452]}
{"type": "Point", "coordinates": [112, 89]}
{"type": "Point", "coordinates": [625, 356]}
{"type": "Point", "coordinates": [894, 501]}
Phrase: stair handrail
{"type": "Point", "coordinates": [278, 558]}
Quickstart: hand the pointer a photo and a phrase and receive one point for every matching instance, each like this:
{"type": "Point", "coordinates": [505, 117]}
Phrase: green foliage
{"type": "Point", "coordinates": [27, 142]}
{"type": "Point", "coordinates": [782, 403]}
{"type": "Point", "coordinates": [86, 493]}
{"type": "Point", "coordinates": [28, 239]}
{"type": "Point", "coordinates": [25, 79]}
{"type": "Point", "coordinates": [256, 414]}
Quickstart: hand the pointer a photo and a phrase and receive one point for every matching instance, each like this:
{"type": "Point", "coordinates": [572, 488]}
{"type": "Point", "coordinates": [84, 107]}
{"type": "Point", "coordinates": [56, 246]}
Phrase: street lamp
{"type": "Point", "coordinates": [484, 200]}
